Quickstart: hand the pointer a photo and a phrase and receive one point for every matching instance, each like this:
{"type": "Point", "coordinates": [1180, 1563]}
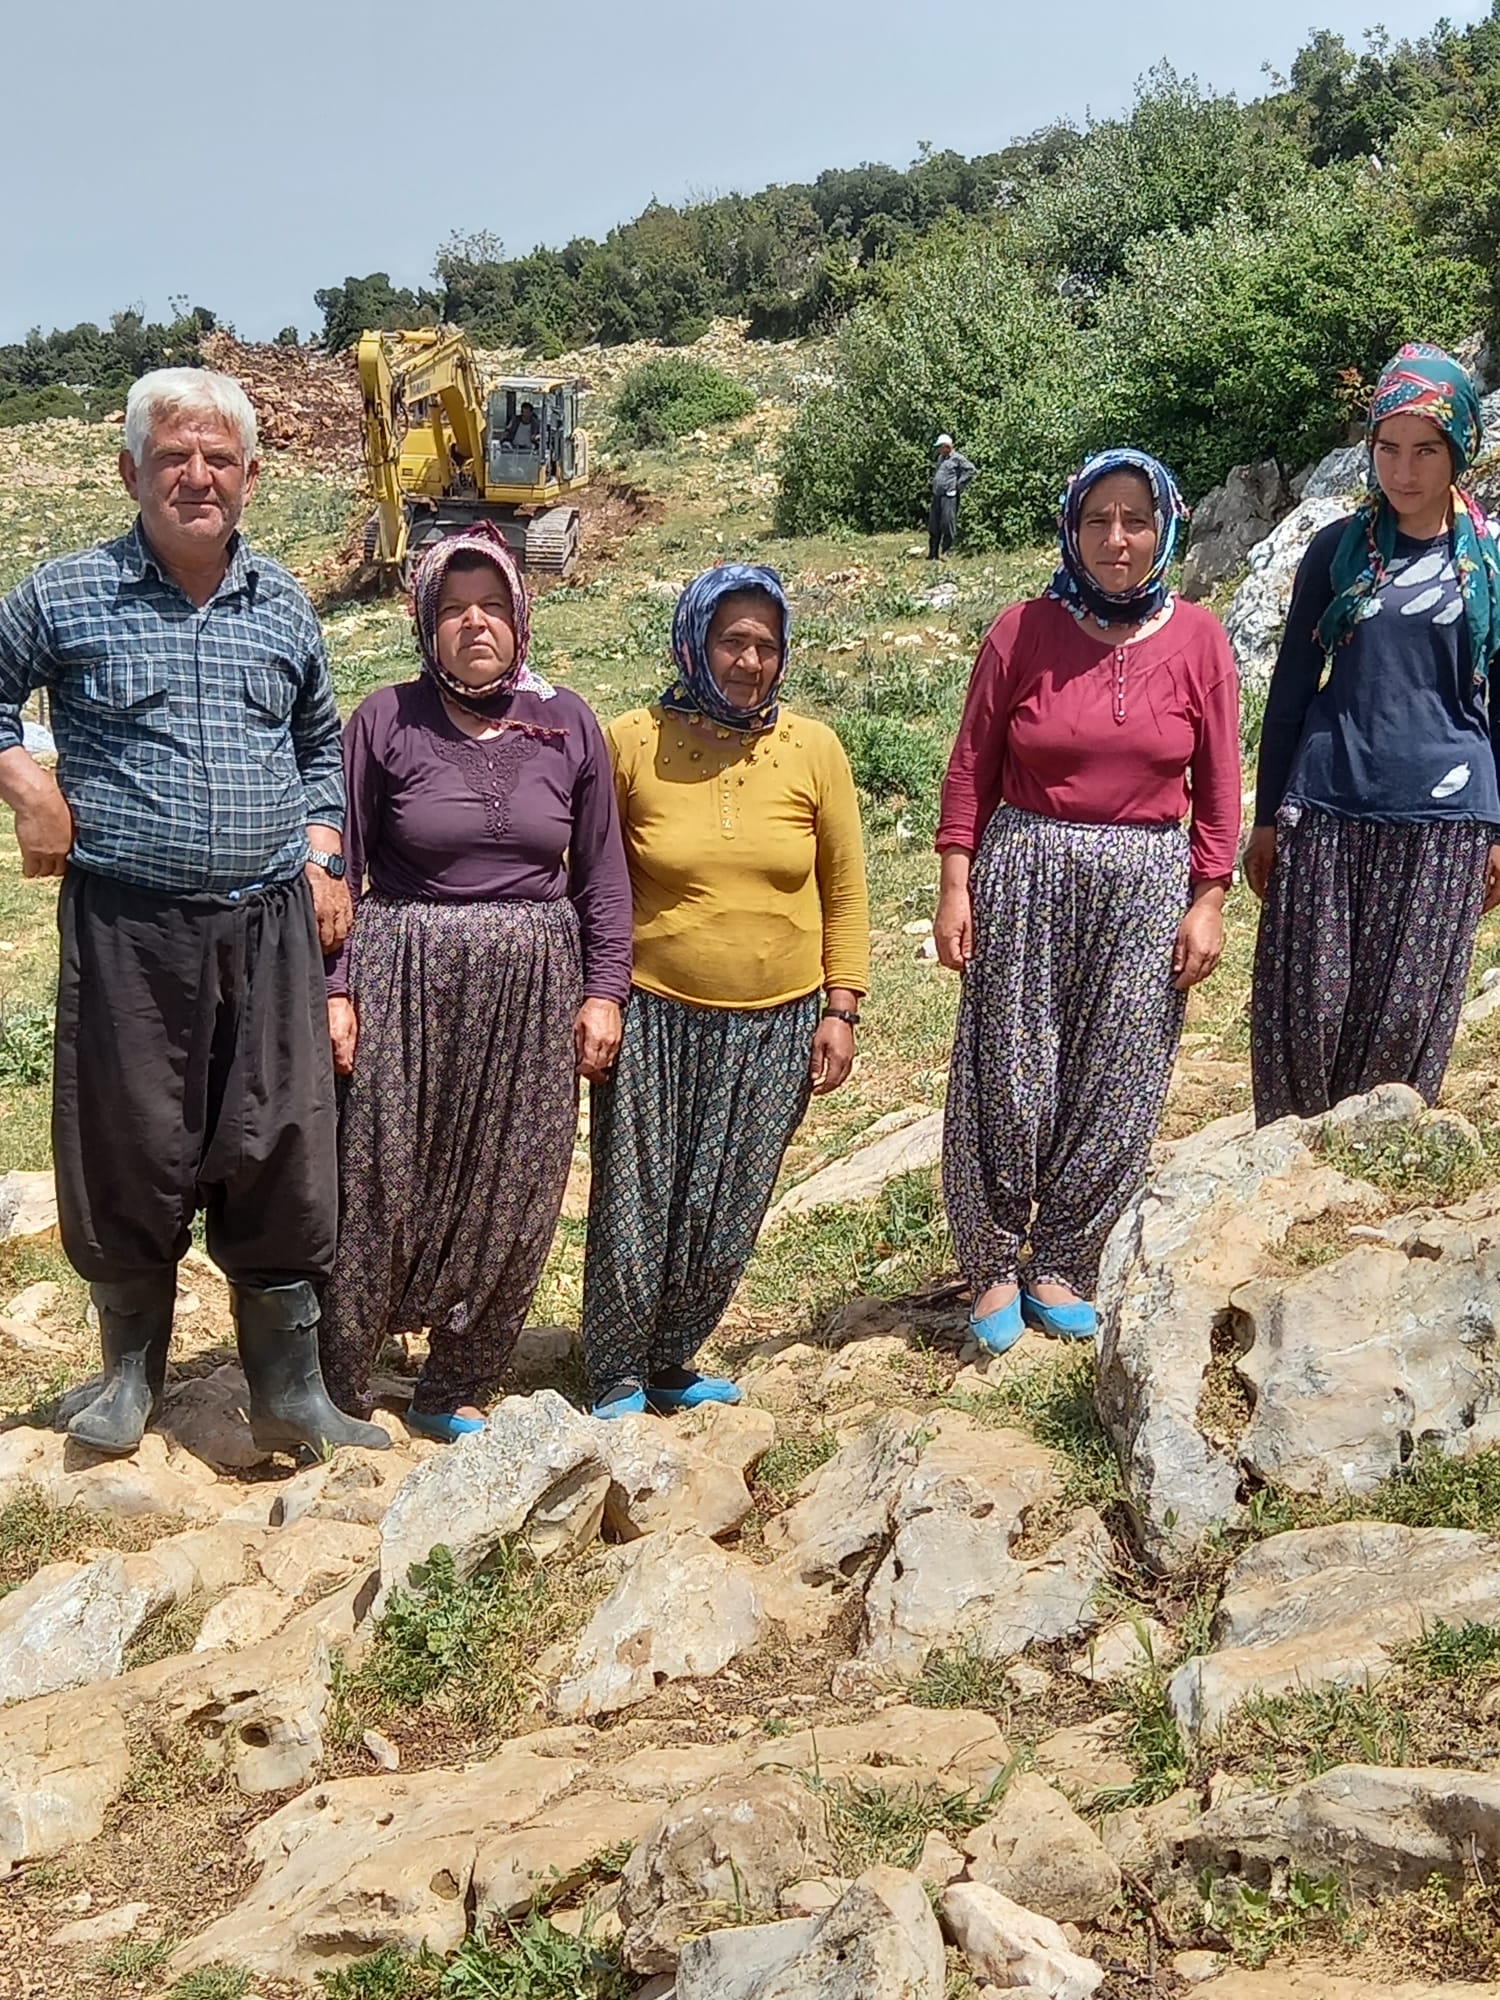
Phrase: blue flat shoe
{"type": "Point", "coordinates": [442, 1424]}
{"type": "Point", "coordinates": [702, 1389]}
{"type": "Point", "coordinates": [997, 1332]}
{"type": "Point", "coordinates": [1077, 1321]}
{"type": "Point", "coordinates": [631, 1404]}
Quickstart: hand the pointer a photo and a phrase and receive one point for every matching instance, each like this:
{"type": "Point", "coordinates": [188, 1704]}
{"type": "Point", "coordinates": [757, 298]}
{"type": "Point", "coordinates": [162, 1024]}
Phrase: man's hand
{"type": "Point", "coordinates": [596, 1038]}
{"type": "Point", "coordinates": [343, 1032]}
{"type": "Point", "coordinates": [44, 824]}
{"type": "Point", "coordinates": [44, 831]}
{"type": "Point", "coordinates": [1260, 859]}
{"type": "Point", "coordinates": [331, 907]}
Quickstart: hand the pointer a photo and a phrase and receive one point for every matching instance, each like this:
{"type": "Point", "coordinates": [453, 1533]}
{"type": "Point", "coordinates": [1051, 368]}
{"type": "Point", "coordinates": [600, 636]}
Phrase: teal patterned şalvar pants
{"type": "Point", "coordinates": [687, 1139]}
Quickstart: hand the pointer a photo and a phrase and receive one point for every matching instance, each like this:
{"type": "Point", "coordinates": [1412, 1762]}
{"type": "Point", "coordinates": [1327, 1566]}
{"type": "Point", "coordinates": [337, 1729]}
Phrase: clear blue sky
{"type": "Point", "coordinates": [245, 155]}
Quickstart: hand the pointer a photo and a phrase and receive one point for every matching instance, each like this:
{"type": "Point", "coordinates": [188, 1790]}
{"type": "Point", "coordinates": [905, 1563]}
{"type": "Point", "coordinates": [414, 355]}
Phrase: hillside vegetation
{"type": "Point", "coordinates": [1216, 279]}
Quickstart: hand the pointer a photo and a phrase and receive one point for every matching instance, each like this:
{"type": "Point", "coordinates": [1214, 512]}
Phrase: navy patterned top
{"type": "Point", "coordinates": [1403, 729]}
{"type": "Point", "coordinates": [195, 744]}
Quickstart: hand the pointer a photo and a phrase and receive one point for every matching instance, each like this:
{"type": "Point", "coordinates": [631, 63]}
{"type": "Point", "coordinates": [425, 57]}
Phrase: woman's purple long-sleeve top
{"type": "Point", "coordinates": [437, 816]}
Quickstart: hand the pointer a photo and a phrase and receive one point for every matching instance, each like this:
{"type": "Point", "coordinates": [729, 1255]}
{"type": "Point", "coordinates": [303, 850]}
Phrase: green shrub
{"type": "Point", "coordinates": [25, 1042]}
{"type": "Point", "coordinates": [1240, 340]}
{"type": "Point", "coordinates": [672, 394]}
{"type": "Point", "coordinates": [892, 761]}
{"type": "Point", "coordinates": [963, 338]}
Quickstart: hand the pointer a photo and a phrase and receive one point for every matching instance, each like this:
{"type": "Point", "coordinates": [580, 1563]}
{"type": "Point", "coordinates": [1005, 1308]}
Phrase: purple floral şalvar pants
{"type": "Point", "coordinates": [455, 1137]}
{"type": "Point", "coordinates": [1362, 955]}
{"type": "Point", "coordinates": [1067, 1029]}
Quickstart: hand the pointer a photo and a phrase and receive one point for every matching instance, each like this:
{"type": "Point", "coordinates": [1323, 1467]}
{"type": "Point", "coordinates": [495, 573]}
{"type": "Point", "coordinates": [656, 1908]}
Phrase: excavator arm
{"type": "Point", "coordinates": [396, 372]}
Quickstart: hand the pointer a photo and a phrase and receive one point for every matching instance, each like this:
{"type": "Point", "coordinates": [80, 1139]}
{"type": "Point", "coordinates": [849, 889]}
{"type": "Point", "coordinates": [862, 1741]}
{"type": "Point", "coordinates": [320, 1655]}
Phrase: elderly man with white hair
{"type": "Point", "coordinates": [196, 820]}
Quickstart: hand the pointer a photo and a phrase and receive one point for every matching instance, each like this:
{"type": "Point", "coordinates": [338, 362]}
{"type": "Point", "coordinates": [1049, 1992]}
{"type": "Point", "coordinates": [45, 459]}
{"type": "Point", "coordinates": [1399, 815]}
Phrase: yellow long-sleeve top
{"type": "Point", "coordinates": [747, 870]}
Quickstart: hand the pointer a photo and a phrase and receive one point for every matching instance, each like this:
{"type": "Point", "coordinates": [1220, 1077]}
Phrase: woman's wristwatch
{"type": "Point", "coordinates": [846, 1014]}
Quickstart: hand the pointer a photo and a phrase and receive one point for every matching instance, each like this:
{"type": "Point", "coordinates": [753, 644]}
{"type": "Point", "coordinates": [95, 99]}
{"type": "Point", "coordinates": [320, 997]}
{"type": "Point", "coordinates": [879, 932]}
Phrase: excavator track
{"type": "Point", "coordinates": [552, 541]}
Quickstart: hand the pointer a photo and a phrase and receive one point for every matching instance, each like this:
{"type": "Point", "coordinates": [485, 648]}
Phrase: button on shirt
{"type": "Point", "coordinates": [194, 743]}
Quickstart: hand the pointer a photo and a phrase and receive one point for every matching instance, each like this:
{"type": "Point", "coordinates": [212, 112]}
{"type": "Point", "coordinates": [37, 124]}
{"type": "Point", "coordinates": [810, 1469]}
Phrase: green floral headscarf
{"type": "Point", "coordinates": [1421, 381]}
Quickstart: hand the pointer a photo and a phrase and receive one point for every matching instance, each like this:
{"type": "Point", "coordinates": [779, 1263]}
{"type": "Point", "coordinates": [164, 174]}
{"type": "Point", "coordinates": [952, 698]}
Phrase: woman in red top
{"type": "Point", "coordinates": [1073, 902]}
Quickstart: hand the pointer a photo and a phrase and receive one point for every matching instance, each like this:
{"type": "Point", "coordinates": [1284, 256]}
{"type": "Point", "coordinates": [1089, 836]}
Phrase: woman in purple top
{"type": "Point", "coordinates": [484, 975]}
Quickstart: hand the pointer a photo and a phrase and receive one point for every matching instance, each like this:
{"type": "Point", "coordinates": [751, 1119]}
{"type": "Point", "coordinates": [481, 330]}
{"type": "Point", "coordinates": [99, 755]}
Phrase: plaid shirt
{"type": "Point", "coordinates": [194, 744]}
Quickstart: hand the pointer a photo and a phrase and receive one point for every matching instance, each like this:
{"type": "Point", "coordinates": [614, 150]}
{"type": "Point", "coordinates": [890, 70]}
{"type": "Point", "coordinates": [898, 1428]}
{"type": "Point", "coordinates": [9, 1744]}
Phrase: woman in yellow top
{"type": "Point", "coordinates": [747, 879]}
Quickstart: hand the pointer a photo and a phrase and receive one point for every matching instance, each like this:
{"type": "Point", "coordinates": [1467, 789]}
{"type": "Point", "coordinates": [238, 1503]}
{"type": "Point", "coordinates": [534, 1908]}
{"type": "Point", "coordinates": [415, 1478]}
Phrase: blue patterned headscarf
{"type": "Point", "coordinates": [1421, 381]}
{"type": "Point", "coordinates": [1073, 586]}
{"type": "Point", "coordinates": [695, 691]}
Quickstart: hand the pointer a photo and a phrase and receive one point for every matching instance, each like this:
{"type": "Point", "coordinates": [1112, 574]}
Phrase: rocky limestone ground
{"type": "Point", "coordinates": [915, 1675]}
{"type": "Point", "coordinates": [1171, 1668]}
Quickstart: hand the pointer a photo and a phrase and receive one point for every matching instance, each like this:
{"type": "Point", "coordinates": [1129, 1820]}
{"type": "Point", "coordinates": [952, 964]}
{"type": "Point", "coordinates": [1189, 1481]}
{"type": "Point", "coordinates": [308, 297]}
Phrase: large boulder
{"type": "Point", "coordinates": [682, 1607]}
{"type": "Point", "coordinates": [535, 1470]}
{"type": "Point", "coordinates": [352, 1867]}
{"type": "Point", "coordinates": [1015, 1947]}
{"type": "Point", "coordinates": [1229, 521]}
{"type": "Point", "coordinates": [1325, 1606]}
{"type": "Point", "coordinates": [1257, 611]}
{"type": "Point", "coordinates": [1354, 1365]}
{"type": "Point", "coordinates": [1378, 1830]}
{"type": "Point", "coordinates": [28, 1204]}
{"type": "Point", "coordinates": [952, 1573]}
{"type": "Point", "coordinates": [730, 1851]}
{"type": "Point", "coordinates": [926, 1513]}
{"type": "Point", "coordinates": [658, 1479]}
{"type": "Point", "coordinates": [879, 1941]}
{"type": "Point", "coordinates": [866, 1171]}
{"type": "Point", "coordinates": [1037, 1851]}
{"type": "Point", "coordinates": [1207, 1223]}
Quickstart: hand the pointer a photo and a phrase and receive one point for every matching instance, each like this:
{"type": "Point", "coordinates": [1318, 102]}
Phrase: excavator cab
{"type": "Point", "coordinates": [530, 432]}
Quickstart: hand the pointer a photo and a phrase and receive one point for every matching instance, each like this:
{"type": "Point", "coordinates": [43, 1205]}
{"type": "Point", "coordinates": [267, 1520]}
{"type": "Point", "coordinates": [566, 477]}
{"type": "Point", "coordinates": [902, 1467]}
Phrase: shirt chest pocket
{"type": "Point", "coordinates": [269, 696]}
{"type": "Point", "coordinates": [119, 686]}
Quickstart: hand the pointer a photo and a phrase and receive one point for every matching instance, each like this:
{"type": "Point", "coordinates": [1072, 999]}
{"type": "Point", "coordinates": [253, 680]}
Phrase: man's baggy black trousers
{"type": "Point", "coordinates": [942, 524]}
{"type": "Point", "coordinates": [193, 1070]}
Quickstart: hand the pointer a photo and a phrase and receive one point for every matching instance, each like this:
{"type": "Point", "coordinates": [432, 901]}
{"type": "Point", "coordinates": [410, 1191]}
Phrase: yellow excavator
{"type": "Point", "coordinates": [444, 448]}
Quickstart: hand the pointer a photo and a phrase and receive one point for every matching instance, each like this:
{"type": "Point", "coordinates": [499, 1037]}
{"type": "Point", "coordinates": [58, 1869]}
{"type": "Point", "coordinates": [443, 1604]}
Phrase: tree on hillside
{"type": "Point", "coordinates": [962, 338]}
{"type": "Point", "coordinates": [372, 303]}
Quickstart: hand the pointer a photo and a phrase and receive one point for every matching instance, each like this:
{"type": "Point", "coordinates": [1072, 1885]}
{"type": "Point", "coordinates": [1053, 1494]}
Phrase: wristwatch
{"type": "Point", "coordinates": [841, 1014]}
{"type": "Point", "coordinates": [332, 863]}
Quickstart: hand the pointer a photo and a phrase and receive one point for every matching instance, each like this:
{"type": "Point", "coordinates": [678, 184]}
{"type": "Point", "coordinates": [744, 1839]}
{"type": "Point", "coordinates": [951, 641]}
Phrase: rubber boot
{"type": "Point", "coordinates": [289, 1406]}
{"type": "Point", "coordinates": [135, 1331]}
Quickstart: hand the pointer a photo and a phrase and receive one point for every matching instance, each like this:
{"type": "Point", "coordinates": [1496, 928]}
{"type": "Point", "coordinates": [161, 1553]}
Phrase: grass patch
{"type": "Point", "coordinates": [1279, 1740]}
{"type": "Point", "coordinates": [462, 1648]}
{"type": "Point", "coordinates": [962, 1677]}
{"type": "Point", "coordinates": [34, 1531]}
{"type": "Point", "coordinates": [1454, 1652]}
{"type": "Point", "coordinates": [813, 1263]}
{"type": "Point", "coordinates": [170, 1632]}
{"type": "Point", "coordinates": [133, 1958]}
{"type": "Point", "coordinates": [1151, 1740]}
{"type": "Point", "coordinates": [527, 1961]}
{"type": "Point", "coordinates": [25, 1042]}
{"type": "Point", "coordinates": [784, 1467]}
{"type": "Point", "coordinates": [1442, 1930]}
{"type": "Point", "coordinates": [1439, 1163]}
{"type": "Point", "coordinates": [212, 1982]}
{"type": "Point", "coordinates": [870, 1826]}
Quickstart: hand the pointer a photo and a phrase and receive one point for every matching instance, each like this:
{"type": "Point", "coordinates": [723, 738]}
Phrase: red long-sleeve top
{"type": "Point", "coordinates": [1062, 722]}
